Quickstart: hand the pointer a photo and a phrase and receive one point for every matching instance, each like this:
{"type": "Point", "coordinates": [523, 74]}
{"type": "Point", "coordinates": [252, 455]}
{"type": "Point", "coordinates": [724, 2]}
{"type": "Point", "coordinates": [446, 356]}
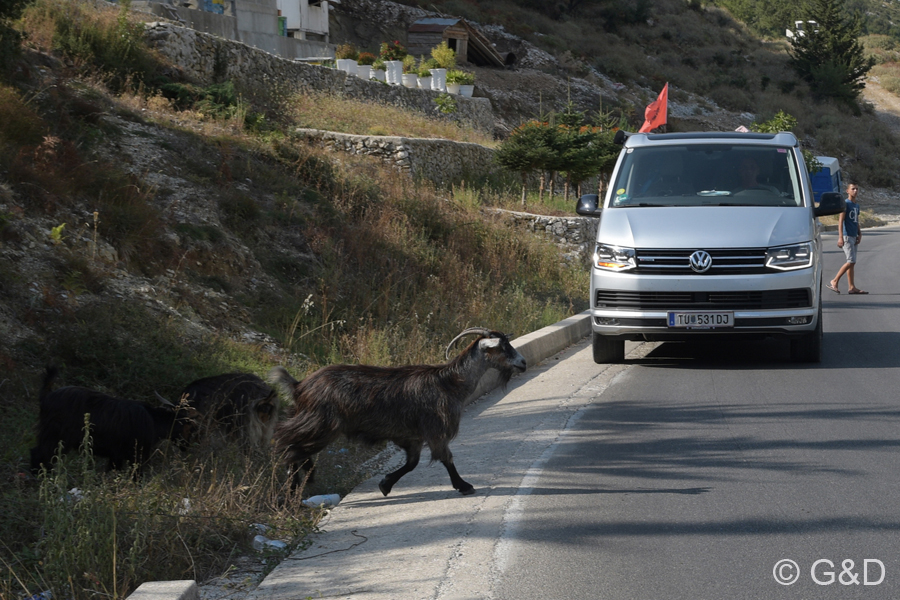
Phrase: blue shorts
{"type": "Point", "coordinates": [850, 249]}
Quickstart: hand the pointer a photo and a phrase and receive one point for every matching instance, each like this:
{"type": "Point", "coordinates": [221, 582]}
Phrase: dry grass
{"type": "Point", "coordinates": [365, 118]}
{"type": "Point", "coordinates": [395, 269]}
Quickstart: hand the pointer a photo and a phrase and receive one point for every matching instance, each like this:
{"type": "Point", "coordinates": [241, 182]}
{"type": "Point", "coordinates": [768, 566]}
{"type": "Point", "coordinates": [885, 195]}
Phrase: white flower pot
{"type": "Point", "coordinates": [347, 65]}
{"type": "Point", "coordinates": [378, 75]}
{"type": "Point", "coordinates": [439, 80]}
{"type": "Point", "coordinates": [394, 71]}
{"type": "Point", "coordinates": [453, 88]}
{"type": "Point", "coordinates": [364, 71]}
{"type": "Point", "coordinates": [425, 83]}
{"type": "Point", "coordinates": [466, 90]}
{"type": "Point", "coordinates": [410, 80]}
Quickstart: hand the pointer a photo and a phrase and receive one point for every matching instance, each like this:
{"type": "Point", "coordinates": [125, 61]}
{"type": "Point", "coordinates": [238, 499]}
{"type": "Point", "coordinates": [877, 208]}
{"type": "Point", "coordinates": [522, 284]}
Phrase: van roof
{"type": "Point", "coordinates": [764, 139]}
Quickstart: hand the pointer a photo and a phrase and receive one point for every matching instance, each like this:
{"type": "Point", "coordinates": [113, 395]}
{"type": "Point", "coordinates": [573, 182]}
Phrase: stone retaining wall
{"type": "Point", "coordinates": [201, 55]}
{"type": "Point", "coordinates": [440, 161]}
{"type": "Point", "coordinates": [575, 236]}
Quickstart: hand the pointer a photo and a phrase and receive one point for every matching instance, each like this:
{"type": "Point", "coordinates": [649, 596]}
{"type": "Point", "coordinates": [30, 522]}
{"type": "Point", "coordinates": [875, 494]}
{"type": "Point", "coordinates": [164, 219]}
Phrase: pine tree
{"type": "Point", "coordinates": [831, 58]}
{"type": "Point", "coordinates": [527, 149]}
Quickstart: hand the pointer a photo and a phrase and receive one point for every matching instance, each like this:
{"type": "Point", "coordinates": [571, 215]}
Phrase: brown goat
{"type": "Point", "coordinates": [410, 406]}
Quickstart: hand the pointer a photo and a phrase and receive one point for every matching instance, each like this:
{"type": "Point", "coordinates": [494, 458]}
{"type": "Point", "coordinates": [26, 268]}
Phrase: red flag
{"type": "Point", "coordinates": [655, 114]}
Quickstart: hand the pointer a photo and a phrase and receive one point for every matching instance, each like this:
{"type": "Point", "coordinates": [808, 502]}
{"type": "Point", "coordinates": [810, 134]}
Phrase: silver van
{"type": "Point", "coordinates": [707, 234]}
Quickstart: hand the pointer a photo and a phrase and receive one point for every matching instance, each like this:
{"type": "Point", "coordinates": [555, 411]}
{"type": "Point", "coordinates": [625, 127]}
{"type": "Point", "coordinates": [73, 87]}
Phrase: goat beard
{"type": "Point", "coordinates": [505, 375]}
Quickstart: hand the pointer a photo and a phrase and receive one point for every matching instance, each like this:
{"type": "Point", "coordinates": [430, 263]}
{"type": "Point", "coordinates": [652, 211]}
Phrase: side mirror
{"type": "Point", "coordinates": [831, 203]}
{"type": "Point", "coordinates": [588, 205]}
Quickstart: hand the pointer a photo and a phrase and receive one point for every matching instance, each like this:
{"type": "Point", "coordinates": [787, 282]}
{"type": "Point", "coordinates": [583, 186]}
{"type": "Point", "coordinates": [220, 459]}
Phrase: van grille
{"type": "Point", "coordinates": [732, 261]}
{"type": "Point", "coordinates": [750, 300]}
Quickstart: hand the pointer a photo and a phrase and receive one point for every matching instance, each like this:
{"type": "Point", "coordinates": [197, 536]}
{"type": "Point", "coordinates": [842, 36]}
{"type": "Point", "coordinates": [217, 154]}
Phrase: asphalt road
{"type": "Point", "coordinates": [706, 465]}
{"type": "Point", "coordinates": [689, 472]}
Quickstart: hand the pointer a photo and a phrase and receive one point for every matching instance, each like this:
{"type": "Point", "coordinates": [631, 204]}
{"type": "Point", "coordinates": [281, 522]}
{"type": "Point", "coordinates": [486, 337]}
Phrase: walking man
{"type": "Point", "coordinates": [849, 236]}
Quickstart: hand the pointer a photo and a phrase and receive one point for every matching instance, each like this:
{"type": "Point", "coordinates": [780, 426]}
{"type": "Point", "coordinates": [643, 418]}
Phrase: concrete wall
{"type": "Point", "coordinates": [196, 53]}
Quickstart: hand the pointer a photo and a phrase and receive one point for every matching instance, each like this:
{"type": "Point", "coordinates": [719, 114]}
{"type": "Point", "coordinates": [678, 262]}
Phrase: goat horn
{"type": "Point", "coordinates": [469, 331]}
{"type": "Point", "coordinates": [163, 400]}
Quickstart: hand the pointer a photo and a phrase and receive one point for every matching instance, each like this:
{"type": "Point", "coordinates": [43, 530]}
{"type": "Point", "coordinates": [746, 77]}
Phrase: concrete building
{"type": "Point", "coordinates": [295, 29]}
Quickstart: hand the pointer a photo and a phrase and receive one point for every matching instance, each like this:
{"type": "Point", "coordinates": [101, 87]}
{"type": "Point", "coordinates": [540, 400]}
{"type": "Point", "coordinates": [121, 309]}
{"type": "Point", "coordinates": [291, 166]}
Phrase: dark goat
{"type": "Point", "coordinates": [410, 406]}
{"type": "Point", "coordinates": [239, 404]}
{"type": "Point", "coordinates": [121, 430]}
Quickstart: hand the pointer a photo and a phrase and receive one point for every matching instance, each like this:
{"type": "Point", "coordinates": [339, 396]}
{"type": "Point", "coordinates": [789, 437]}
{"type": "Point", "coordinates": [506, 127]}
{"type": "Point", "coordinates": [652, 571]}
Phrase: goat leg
{"type": "Point", "coordinates": [412, 459]}
{"type": "Point", "coordinates": [458, 482]}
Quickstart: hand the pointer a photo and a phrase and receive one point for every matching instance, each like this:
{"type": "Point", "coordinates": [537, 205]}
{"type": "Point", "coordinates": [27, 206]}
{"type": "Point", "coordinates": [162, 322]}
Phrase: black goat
{"type": "Point", "coordinates": [410, 406]}
{"type": "Point", "coordinates": [121, 430]}
{"type": "Point", "coordinates": [239, 404]}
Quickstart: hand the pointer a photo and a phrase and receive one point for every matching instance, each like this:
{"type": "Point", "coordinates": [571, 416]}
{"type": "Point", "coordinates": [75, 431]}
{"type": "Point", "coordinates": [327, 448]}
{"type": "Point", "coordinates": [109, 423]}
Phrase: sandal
{"type": "Point", "coordinates": [857, 291]}
{"type": "Point", "coordinates": [832, 288]}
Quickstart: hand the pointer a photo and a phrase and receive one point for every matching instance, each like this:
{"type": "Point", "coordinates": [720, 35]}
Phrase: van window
{"type": "Point", "coordinates": [708, 174]}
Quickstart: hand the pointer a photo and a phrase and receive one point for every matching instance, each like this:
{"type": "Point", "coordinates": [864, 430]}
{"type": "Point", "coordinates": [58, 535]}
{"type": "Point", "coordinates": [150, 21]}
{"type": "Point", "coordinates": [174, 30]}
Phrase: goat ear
{"type": "Point", "coordinates": [486, 343]}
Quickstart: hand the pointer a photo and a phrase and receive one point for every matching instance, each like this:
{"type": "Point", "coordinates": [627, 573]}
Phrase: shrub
{"type": "Point", "coordinates": [392, 51]}
{"type": "Point", "coordinates": [366, 58]}
{"type": "Point", "coordinates": [346, 51]}
{"type": "Point", "coordinates": [105, 39]}
{"type": "Point", "coordinates": [20, 125]}
{"type": "Point", "coordinates": [409, 64]}
{"type": "Point", "coordinates": [444, 56]}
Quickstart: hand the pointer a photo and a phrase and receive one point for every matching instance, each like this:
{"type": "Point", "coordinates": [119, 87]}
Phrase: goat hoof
{"type": "Point", "coordinates": [467, 491]}
{"type": "Point", "coordinates": [384, 487]}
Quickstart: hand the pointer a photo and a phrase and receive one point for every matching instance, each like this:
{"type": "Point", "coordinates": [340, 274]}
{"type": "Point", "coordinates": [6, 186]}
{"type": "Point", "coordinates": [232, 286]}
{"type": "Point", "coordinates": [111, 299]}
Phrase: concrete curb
{"type": "Point", "coordinates": [535, 347]}
{"type": "Point", "coordinates": [540, 345]}
{"type": "Point", "coordinates": [185, 589]}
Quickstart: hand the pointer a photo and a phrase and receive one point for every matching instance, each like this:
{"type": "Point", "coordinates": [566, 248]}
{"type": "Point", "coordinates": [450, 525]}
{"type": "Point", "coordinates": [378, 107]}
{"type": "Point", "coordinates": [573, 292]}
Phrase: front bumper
{"type": "Point", "coordinates": [635, 307]}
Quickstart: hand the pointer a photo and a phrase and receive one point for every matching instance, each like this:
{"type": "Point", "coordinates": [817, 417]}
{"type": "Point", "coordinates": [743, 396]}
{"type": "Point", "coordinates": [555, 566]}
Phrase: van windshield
{"type": "Point", "coordinates": [708, 175]}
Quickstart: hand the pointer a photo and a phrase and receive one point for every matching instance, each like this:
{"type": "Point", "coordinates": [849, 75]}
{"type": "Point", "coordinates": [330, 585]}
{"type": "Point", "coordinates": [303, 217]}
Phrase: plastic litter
{"type": "Point", "coordinates": [42, 596]}
{"type": "Point", "coordinates": [185, 506]}
{"type": "Point", "coordinates": [261, 542]}
{"type": "Point", "coordinates": [322, 500]}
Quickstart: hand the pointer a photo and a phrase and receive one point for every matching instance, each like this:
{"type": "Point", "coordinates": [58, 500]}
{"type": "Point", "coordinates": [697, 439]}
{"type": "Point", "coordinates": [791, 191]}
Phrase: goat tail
{"type": "Point", "coordinates": [303, 435]}
{"type": "Point", "coordinates": [50, 374]}
{"type": "Point", "coordinates": [283, 383]}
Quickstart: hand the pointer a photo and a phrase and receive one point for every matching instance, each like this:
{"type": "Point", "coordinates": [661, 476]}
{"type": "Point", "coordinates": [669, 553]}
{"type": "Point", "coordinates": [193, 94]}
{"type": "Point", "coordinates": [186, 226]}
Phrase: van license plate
{"type": "Point", "coordinates": [701, 320]}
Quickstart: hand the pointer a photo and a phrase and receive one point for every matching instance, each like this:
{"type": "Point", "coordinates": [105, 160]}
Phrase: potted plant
{"type": "Point", "coordinates": [410, 77]}
{"type": "Point", "coordinates": [424, 78]}
{"type": "Point", "coordinates": [467, 84]}
{"type": "Point", "coordinates": [364, 65]}
{"type": "Point", "coordinates": [346, 55]}
{"type": "Point", "coordinates": [444, 56]}
{"type": "Point", "coordinates": [393, 54]}
{"type": "Point", "coordinates": [438, 75]}
{"type": "Point", "coordinates": [378, 70]}
{"type": "Point", "coordinates": [454, 79]}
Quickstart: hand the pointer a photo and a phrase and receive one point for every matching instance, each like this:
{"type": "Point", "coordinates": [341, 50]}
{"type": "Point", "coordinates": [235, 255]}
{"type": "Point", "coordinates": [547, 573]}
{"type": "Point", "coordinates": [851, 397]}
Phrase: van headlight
{"type": "Point", "coordinates": [788, 258]}
{"type": "Point", "coordinates": [614, 258]}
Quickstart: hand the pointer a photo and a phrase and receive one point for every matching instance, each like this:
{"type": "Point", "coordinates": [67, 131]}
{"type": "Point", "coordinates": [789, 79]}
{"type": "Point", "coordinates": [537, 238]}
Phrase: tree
{"type": "Point", "coordinates": [831, 58]}
{"type": "Point", "coordinates": [527, 148]}
{"type": "Point", "coordinates": [783, 121]}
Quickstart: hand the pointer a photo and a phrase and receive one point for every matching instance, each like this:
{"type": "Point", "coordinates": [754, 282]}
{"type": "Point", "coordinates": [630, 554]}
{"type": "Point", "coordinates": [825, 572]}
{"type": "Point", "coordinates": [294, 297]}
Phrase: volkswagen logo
{"type": "Point", "coordinates": [701, 261]}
